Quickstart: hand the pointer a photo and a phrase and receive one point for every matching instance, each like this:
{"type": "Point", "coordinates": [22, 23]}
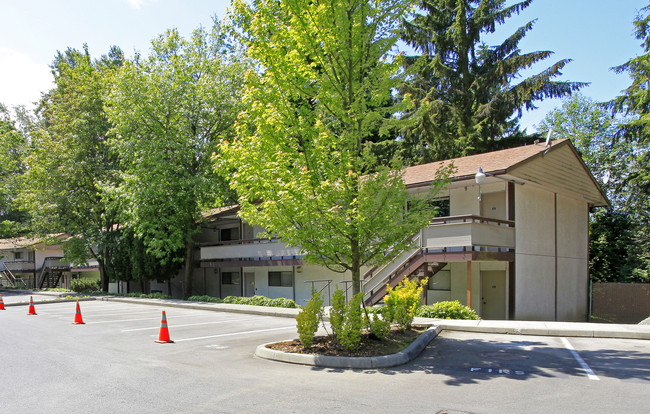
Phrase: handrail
{"type": "Point", "coordinates": [237, 242]}
{"type": "Point", "coordinates": [327, 286]}
{"type": "Point", "coordinates": [469, 218]}
{"type": "Point", "coordinates": [10, 276]}
{"type": "Point", "coordinates": [370, 273]}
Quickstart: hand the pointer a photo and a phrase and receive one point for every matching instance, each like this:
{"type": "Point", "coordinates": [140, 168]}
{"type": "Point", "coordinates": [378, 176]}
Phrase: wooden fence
{"type": "Point", "coordinates": [620, 302]}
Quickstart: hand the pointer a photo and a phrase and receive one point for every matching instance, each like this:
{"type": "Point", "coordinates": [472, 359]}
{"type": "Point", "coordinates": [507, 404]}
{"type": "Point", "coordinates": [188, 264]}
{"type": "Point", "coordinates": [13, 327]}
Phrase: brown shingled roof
{"type": "Point", "coordinates": [496, 162]}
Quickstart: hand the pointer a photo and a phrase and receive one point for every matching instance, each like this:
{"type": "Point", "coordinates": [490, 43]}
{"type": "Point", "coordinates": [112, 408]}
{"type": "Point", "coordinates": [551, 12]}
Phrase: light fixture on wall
{"type": "Point", "coordinates": [480, 179]}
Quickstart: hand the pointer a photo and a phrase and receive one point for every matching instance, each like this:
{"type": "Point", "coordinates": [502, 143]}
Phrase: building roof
{"type": "Point", "coordinates": [559, 167]}
{"type": "Point", "coordinates": [28, 242]}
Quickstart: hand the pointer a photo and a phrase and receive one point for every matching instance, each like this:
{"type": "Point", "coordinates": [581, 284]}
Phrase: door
{"type": "Point", "coordinates": [493, 294]}
{"type": "Point", "coordinates": [249, 282]}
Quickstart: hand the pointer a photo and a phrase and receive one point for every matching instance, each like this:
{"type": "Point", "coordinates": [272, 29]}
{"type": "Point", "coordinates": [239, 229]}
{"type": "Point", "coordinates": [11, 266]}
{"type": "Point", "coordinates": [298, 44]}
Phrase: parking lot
{"type": "Point", "coordinates": [112, 364]}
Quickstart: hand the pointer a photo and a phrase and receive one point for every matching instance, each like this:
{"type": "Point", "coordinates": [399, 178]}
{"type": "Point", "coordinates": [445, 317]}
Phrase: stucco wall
{"type": "Point", "coordinates": [539, 215]}
{"type": "Point", "coordinates": [534, 254]}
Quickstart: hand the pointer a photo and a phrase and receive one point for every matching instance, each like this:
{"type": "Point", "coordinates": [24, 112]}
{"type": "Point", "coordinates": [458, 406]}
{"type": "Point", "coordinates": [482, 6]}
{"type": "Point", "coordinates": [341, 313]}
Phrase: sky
{"type": "Point", "coordinates": [595, 34]}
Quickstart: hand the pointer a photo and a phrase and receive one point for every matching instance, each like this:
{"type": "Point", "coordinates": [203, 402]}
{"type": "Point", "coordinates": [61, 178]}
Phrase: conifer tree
{"type": "Point", "coordinates": [466, 96]}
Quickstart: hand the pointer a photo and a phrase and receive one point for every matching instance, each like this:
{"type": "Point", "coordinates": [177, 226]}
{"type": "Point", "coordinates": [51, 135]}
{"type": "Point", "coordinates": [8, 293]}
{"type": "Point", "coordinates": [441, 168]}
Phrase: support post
{"type": "Point", "coordinates": [469, 284]}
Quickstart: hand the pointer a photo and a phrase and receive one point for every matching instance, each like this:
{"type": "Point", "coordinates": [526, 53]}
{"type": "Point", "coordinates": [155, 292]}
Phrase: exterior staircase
{"type": "Point", "coordinates": [419, 264]}
{"type": "Point", "coordinates": [52, 271]}
{"type": "Point", "coordinates": [8, 276]}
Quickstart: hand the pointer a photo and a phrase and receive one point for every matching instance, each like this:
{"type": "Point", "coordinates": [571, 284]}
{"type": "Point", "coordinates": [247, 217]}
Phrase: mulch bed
{"type": "Point", "coordinates": [324, 345]}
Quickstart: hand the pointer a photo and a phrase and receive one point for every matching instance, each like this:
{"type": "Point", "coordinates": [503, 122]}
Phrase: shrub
{"type": "Point", "coordinates": [308, 319]}
{"type": "Point", "coordinates": [447, 310]}
{"type": "Point", "coordinates": [378, 326]}
{"type": "Point", "coordinates": [337, 313]}
{"type": "Point", "coordinates": [402, 302]}
{"type": "Point", "coordinates": [259, 300]}
{"type": "Point", "coordinates": [350, 334]}
{"type": "Point", "coordinates": [205, 298]}
{"type": "Point", "coordinates": [84, 285]}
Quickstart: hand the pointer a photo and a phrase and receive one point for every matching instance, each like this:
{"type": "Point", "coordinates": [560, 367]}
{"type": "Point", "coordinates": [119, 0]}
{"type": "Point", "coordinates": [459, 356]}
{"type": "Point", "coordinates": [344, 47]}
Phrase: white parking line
{"type": "Point", "coordinates": [236, 333]}
{"type": "Point", "coordinates": [193, 324]}
{"type": "Point", "coordinates": [583, 364]}
{"type": "Point", "coordinates": [148, 319]}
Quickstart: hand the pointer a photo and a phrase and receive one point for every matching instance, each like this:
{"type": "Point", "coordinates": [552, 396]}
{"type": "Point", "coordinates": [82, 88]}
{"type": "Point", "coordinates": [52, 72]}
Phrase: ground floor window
{"type": "Point", "coordinates": [440, 281]}
{"type": "Point", "coordinates": [230, 278]}
{"type": "Point", "coordinates": [283, 279]}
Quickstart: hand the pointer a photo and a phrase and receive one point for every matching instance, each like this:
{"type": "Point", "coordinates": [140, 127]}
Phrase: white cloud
{"type": "Point", "coordinates": [136, 4]}
{"type": "Point", "coordinates": [21, 79]}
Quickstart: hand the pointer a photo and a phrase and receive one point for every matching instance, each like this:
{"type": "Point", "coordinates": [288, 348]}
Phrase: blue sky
{"type": "Point", "coordinates": [596, 34]}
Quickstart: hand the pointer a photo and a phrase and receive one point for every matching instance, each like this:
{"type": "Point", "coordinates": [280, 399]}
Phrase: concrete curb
{"type": "Point", "coordinates": [386, 361]}
{"type": "Point", "coordinates": [46, 301]}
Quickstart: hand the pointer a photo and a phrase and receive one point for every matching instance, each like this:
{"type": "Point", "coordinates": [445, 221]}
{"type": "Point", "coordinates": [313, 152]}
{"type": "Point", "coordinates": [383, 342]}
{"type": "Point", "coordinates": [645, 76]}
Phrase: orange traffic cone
{"type": "Point", "coordinates": [2, 304]}
{"type": "Point", "coordinates": [163, 336]}
{"type": "Point", "coordinates": [78, 320]}
{"type": "Point", "coordinates": [32, 310]}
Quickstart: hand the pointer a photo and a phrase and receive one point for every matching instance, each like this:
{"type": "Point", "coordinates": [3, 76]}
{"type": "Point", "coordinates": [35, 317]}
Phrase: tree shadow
{"type": "Point", "coordinates": [471, 361]}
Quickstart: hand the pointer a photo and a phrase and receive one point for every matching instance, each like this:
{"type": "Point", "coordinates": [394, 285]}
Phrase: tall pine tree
{"type": "Point", "coordinates": [465, 98]}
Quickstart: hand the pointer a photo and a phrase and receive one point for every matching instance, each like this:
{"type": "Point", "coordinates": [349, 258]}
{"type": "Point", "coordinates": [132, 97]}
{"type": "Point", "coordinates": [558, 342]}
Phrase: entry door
{"type": "Point", "coordinates": [249, 281]}
{"type": "Point", "coordinates": [493, 294]}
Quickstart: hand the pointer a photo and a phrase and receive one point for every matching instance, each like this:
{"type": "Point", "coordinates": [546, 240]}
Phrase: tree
{"type": "Point", "coordinates": [300, 163]}
{"type": "Point", "coordinates": [466, 95]}
{"type": "Point", "coordinates": [634, 103]}
{"type": "Point", "coordinates": [70, 163]}
{"type": "Point", "coordinates": [13, 149]}
{"type": "Point", "coordinates": [169, 111]}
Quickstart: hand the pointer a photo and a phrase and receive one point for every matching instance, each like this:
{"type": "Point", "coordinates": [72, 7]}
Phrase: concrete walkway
{"type": "Point", "coordinates": [543, 328]}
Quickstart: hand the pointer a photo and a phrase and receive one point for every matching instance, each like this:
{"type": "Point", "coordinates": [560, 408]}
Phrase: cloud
{"type": "Point", "coordinates": [136, 4]}
{"type": "Point", "coordinates": [21, 79]}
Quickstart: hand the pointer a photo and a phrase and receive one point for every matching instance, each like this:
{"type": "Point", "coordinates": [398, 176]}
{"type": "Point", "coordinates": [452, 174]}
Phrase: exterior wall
{"type": "Point", "coordinates": [551, 280]}
{"type": "Point", "coordinates": [464, 200]}
{"type": "Point", "coordinates": [572, 259]}
{"type": "Point", "coordinates": [534, 254]}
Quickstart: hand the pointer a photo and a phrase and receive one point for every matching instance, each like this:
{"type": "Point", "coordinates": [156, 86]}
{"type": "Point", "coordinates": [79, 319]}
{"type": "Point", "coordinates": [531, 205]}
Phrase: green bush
{"type": "Point", "coordinates": [261, 301]}
{"type": "Point", "coordinates": [350, 334]}
{"type": "Point", "coordinates": [402, 302]}
{"type": "Point", "coordinates": [447, 310]}
{"type": "Point", "coordinates": [308, 319]}
{"type": "Point", "coordinates": [205, 298]}
{"type": "Point", "coordinates": [378, 326]}
{"type": "Point", "coordinates": [337, 313]}
{"type": "Point", "coordinates": [84, 285]}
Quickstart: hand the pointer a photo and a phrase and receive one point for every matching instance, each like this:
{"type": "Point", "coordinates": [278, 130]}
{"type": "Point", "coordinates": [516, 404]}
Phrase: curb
{"type": "Point", "coordinates": [385, 361]}
{"type": "Point", "coordinates": [44, 302]}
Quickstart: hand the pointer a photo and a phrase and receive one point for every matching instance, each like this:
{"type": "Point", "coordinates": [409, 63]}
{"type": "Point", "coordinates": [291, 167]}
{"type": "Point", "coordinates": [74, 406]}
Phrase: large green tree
{"type": "Point", "coordinates": [300, 163]}
{"type": "Point", "coordinates": [13, 150]}
{"type": "Point", "coordinates": [70, 163]}
{"type": "Point", "coordinates": [468, 96]}
{"type": "Point", "coordinates": [634, 103]}
{"type": "Point", "coordinates": [614, 232]}
{"type": "Point", "coordinates": [170, 110]}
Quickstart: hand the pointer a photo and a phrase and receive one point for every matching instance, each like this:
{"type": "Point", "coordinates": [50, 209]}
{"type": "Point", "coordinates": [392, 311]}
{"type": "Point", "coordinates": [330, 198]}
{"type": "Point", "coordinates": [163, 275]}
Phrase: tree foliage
{"type": "Point", "coordinates": [169, 111]}
{"type": "Point", "coordinates": [467, 96]}
{"type": "Point", "coordinates": [70, 163]}
{"type": "Point", "coordinates": [300, 163]}
{"type": "Point", "coordinates": [13, 150]}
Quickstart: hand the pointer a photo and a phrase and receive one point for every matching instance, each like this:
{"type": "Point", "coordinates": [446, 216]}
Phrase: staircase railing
{"type": "Point", "coordinates": [6, 273]}
{"type": "Point", "coordinates": [52, 264]}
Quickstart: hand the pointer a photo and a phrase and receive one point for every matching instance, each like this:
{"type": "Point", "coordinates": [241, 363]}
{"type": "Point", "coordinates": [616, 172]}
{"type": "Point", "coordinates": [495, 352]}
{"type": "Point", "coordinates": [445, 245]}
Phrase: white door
{"type": "Point", "coordinates": [249, 280]}
{"type": "Point", "coordinates": [493, 295]}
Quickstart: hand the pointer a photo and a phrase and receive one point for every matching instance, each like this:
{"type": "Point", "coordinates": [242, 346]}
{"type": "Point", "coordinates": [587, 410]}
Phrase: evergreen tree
{"type": "Point", "coordinates": [465, 99]}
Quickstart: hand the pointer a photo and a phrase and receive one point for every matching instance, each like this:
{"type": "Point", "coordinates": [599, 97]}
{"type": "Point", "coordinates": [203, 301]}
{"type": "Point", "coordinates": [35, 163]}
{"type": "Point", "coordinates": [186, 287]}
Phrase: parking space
{"type": "Point", "coordinates": [112, 364]}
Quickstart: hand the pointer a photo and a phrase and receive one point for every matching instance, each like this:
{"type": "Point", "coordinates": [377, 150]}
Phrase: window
{"type": "Point", "coordinates": [18, 255]}
{"type": "Point", "coordinates": [283, 279]}
{"type": "Point", "coordinates": [229, 278]}
{"type": "Point", "coordinates": [440, 281]}
{"type": "Point", "coordinates": [229, 234]}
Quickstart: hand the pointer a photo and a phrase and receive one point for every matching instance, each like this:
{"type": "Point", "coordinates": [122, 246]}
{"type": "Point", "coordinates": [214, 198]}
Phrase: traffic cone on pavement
{"type": "Point", "coordinates": [32, 310]}
{"type": "Point", "coordinates": [2, 304]}
{"type": "Point", "coordinates": [78, 320]}
{"type": "Point", "coordinates": [163, 336]}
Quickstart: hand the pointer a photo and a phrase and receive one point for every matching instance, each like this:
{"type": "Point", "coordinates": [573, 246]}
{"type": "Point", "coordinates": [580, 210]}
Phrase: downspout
{"type": "Point", "coordinates": [555, 248]}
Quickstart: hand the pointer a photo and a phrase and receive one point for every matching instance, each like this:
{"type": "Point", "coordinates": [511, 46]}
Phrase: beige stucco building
{"type": "Point", "coordinates": [514, 246]}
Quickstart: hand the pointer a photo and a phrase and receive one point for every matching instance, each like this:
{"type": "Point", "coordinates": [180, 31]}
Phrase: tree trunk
{"type": "Point", "coordinates": [356, 267]}
{"type": "Point", "coordinates": [187, 270]}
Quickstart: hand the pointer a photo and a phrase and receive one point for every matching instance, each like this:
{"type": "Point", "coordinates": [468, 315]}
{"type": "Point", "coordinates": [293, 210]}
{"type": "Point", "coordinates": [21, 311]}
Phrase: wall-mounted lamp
{"type": "Point", "coordinates": [480, 176]}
